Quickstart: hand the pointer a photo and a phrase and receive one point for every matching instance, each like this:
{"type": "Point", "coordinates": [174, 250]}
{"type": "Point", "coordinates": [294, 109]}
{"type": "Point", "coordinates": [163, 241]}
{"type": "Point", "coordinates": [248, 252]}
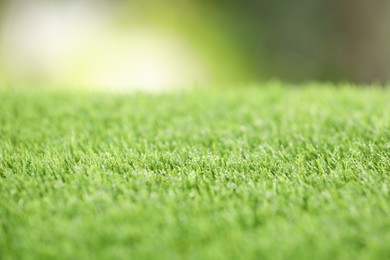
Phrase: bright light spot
{"type": "Point", "coordinates": [71, 43]}
{"type": "Point", "coordinates": [39, 37]}
{"type": "Point", "coordinates": [142, 60]}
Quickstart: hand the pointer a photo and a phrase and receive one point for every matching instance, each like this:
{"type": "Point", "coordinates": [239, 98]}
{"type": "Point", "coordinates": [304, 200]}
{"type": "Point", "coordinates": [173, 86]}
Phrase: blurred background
{"type": "Point", "coordinates": [161, 44]}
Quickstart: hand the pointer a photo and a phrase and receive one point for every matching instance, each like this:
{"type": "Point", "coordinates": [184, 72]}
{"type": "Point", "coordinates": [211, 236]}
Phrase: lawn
{"type": "Point", "coordinates": [240, 173]}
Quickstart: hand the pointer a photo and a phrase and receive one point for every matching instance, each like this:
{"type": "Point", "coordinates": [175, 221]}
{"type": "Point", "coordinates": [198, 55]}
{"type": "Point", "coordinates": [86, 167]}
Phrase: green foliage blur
{"type": "Point", "coordinates": [255, 40]}
{"type": "Point", "coordinates": [328, 40]}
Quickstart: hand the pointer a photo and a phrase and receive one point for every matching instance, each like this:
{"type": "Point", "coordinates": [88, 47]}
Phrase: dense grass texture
{"type": "Point", "coordinates": [246, 173]}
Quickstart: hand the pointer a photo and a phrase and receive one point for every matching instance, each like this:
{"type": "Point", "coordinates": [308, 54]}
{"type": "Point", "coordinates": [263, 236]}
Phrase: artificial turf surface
{"type": "Point", "coordinates": [249, 173]}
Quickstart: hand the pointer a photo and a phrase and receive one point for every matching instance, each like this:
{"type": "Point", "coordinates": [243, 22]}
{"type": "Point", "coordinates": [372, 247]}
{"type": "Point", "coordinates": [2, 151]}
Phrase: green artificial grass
{"type": "Point", "coordinates": [249, 173]}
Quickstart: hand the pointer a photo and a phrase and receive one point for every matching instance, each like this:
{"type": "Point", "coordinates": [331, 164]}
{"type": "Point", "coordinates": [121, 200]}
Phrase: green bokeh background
{"type": "Point", "coordinates": [258, 40]}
